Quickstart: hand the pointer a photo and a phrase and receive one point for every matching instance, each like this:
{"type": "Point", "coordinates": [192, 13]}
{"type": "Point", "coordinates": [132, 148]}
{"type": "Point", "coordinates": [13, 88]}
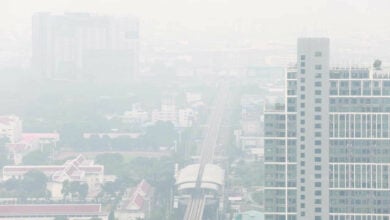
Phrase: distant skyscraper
{"type": "Point", "coordinates": [327, 149]}
{"type": "Point", "coordinates": [74, 45]}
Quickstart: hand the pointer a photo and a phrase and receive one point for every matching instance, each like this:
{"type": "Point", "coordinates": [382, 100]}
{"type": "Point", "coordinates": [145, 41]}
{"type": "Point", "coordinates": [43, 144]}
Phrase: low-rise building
{"type": "Point", "coordinates": [179, 117]}
{"type": "Point", "coordinates": [112, 135]}
{"type": "Point", "coordinates": [136, 115]}
{"type": "Point", "coordinates": [186, 117]}
{"type": "Point", "coordinates": [30, 142]}
{"type": "Point", "coordinates": [194, 99]}
{"type": "Point", "coordinates": [11, 128]}
{"type": "Point", "coordinates": [51, 211]}
{"type": "Point", "coordinates": [136, 202]}
{"type": "Point", "coordinates": [79, 169]}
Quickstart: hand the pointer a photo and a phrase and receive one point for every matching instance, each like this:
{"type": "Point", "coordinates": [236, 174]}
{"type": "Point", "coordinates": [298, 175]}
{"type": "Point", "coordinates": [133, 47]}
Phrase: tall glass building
{"type": "Point", "coordinates": [327, 148]}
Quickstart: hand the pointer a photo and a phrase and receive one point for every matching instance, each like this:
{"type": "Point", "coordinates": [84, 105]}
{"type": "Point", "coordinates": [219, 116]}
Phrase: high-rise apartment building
{"type": "Point", "coordinates": [74, 45]}
{"type": "Point", "coordinates": [327, 148]}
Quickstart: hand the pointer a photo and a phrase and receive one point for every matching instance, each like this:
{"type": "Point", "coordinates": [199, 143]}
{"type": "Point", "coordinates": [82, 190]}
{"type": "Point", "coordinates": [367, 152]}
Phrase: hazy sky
{"type": "Point", "coordinates": [328, 14]}
{"type": "Point", "coordinates": [349, 23]}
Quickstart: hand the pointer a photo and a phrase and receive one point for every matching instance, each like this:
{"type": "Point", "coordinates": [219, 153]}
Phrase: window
{"type": "Point", "coordinates": [318, 101]}
{"type": "Point", "coordinates": [318, 75]}
{"type": "Point", "coordinates": [318, 201]}
{"type": "Point", "coordinates": [302, 88]}
{"type": "Point", "coordinates": [317, 159]}
{"type": "Point", "coordinates": [302, 163]}
{"type": "Point", "coordinates": [302, 181]}
{"type": "Point", "coordinates": [317, 84]}
{"type": "Point", "coordinates": [302, 105]}
{"type": "Point", "coordinates": [318, 54]}
{"type": "Point", "coordinates": [302, 213]}
{"type": "Point", "coordinates": [302, 129]}
{"type": "Point", "coordinates": [302, 80]}
{"type": "Point", "coordinates": [291, 75]}
{"type": "Point", "coordinates": [317, 151]}
{"type": "Point", "coordinates": [302, 155]}
{"type": "Point", "coordinates": [302, 147]}
{"type": "Point", "coordinates": [317, 143]}
{"type": "Point", "coordinates": [303, 57]}
{"type": "Point", "coordinates": [302, 138]}
{"type": "Point", "coordinates": [318, 92]}
{"type": "Point", "coordinates": [302, 113]}
{"type": "Point", "coordinates": [318, 67]}
{"type": "Point", "coordinates": [317, 176]}
{"type": "Point", "coordinates": [302, 96]}
{"type": "Point", "coordinates": [302, 172]}
{"type": "Point", "coordinates": [317, 167]}
{"type": "Point", "coordinates": [317, 184]}
{"type": "Point", "coordinates": [317, 117]}
{"type": "Point", "coordinates": [317, 193]}
{"type": "Point", "coordinates": [302, 64]}
{"type": "Point", "coordinates": [302, 71]}
{"type": "Point", "coordinates": [317, 109]}
{"type": "Point", "coordinates": [318, 209]}
{"type": "Point", "coordinates": [302, 205]}
{"type": "Point", "coordinates": [318, 217]}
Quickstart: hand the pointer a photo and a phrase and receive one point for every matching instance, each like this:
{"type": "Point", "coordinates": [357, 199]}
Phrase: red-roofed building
{"type": "Point", "coordinates": [29, 142]}
{"type": "Point", "coordinates": [22, 143]}
{"type": "Point", "coordinates": [143, 188]}
{"type": "Point", "coordinates": [50, 211]}
{"type": "Point", "coordinates": [79, 169]}
{"type": "Point", "coordinates": [136, 202]}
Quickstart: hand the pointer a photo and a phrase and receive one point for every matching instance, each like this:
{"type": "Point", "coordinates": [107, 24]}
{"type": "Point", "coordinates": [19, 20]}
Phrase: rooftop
{"type": "Point", "coordinates": [50, 210]}
{"type": "Point", "coordinates": [213, 177]}
{"type": "Point", "coordinates": [72, 169]}
{"type": "Point", "coordinates": [137, 197]}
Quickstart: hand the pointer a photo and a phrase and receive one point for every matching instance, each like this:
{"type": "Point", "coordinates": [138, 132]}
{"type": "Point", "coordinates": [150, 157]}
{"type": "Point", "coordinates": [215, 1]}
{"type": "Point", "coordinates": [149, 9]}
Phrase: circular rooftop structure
{"type": "Point", "coordinates": [212, 178]}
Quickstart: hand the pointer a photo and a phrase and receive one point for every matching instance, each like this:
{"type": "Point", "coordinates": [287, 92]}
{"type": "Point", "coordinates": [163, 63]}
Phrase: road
{"type": "Point", "coordinates": [196, 205]}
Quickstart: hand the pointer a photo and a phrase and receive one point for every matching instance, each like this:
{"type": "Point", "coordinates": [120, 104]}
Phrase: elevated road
{"type": "Point", "coordinates": [195, 207]}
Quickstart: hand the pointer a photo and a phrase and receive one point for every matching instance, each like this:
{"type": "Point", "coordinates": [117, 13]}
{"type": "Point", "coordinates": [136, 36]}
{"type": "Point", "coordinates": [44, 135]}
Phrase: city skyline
{"type": "Point", "coordinates": [359, 30]}
{"type": "Point", "coordinates": [194, 110]}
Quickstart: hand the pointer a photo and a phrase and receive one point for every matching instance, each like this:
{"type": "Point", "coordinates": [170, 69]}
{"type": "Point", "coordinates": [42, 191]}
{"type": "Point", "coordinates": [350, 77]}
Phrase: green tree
{"type": "Point", "coordinates": [250, 173]}
{"type": "Point", "coordinates": [72, 134]}
{"type": "Point", "coordinates": [11, 184]}
{"type": "Point", "coordinates": [160, 134]}
{"type": "Point", "coordinates": [37, 157]}
{"type": "Point", "coordinates": [83, 191]}
{"type": "Point", "coordinates": [258, 197]}
{"type": "Point", "coordinates": [77, 189]}
{"type": "Point", "coordinates": [113, 163]}
{"type": "Point", "coordinates": [65, 189]}
{"type": "Point", "coordinates": [111, 188]}
{"type": "Point", "coordinates": [33, 184]}
{"type": "Point", "coordinates": [377, 64]}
